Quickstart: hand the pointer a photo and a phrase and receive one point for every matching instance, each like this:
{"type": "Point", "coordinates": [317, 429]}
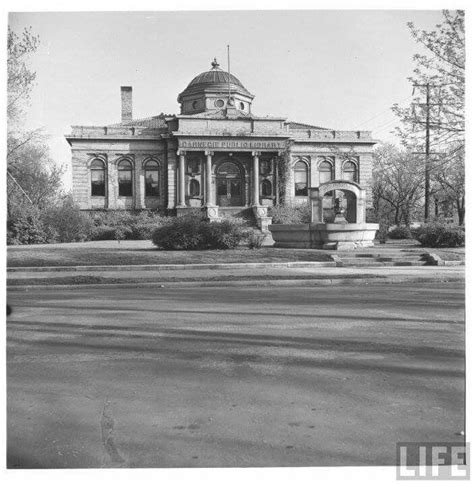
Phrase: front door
{"type": "Point", "coordinates": [229, 185]}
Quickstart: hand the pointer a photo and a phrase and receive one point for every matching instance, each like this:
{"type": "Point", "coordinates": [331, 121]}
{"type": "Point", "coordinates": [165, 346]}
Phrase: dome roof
{"type": "Point", "coordinates": [214, 79]}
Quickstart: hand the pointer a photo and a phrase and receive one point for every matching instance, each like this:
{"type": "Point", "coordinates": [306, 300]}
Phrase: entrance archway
{"type": "Point", "coordinates": [229, 185]}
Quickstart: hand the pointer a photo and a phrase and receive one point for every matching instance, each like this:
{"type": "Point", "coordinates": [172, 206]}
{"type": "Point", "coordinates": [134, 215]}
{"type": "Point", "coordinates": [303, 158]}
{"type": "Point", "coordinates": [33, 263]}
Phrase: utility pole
{"type": "Point", "coordinates": [228, 72]}
{"type": "Point", "coordinates": [427, 155]}
{"type": "Point", "coordinates": [427, 86]}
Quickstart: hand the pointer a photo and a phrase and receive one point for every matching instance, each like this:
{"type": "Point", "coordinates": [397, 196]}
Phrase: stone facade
{"type": "Point", "coordinates": [216, 155]}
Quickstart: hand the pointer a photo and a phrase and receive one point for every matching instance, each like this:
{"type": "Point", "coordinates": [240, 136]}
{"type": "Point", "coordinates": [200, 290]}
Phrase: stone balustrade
{"type": "Point", "coordinates": [112, 131]}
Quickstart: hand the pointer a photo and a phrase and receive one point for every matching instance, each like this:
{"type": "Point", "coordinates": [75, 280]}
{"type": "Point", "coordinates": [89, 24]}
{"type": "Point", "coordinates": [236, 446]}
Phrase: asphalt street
{"type": "Point", "coordinates": [231, 376]}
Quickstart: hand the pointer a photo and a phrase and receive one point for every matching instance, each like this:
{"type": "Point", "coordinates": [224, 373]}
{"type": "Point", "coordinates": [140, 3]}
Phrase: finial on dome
{"type": "Point", "coordinates": [214, 64]}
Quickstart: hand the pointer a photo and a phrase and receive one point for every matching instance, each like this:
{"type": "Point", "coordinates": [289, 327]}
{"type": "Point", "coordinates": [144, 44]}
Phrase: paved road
{"type": "Point", "coordinates": [232, 376]}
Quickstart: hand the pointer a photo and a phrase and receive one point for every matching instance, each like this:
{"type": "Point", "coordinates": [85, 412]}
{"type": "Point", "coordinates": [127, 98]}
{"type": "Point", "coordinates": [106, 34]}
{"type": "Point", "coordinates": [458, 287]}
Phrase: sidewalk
{"type": "Point", "coordinates": [241, 274]}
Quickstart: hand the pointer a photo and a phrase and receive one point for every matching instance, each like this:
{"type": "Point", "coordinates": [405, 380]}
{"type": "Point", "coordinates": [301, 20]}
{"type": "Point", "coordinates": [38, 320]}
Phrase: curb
{"type": "Point", "coordinates": [175, 267]}
{"type": "Point", "coordinates": [252, 283]}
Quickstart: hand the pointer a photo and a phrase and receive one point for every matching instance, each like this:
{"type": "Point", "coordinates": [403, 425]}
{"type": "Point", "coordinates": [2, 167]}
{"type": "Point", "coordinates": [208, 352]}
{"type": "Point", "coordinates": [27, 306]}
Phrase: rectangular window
{"type": "Point", "coordinates": [221, 187]}
{"type": "Point", "coordinates": [152, 188]}
{"type": "Point", "coordinates": [98, 183]}
{"type": "Point", "coordinates": [125, 183]}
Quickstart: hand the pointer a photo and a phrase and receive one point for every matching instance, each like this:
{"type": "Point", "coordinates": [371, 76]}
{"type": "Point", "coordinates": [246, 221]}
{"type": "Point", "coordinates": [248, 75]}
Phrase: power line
{"type": "Point", "coordinates": [384, 125]}
{"type": "Point", "coordinates": [19, 186]}
{"type": "Point", "coordinates": [381, 112]}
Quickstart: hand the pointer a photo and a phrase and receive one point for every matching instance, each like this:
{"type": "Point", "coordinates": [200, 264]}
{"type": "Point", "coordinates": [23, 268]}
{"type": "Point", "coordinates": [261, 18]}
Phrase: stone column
{"type": "Point", "coordinates": [277, 180]}
{"type": "Point", "coordinates": [139, 186]}
{"type": "Point", "coordinates": [260, 212]}
{"type": "Point", "coordinates": [289, 187]}
{"type": "Point", "coordinates": [171, 179]}
{"type": "Point", "coordinates": [212, 211]}
{"type": "Point", "coordinates": [256, 179]}
{"type": "Point", "coordinates": [182, 180]}
{"type": "Point", "coordinates": [209, 197]}
{"type": "Point", "coordinates": [361, 207]}
{"type": "Point", "coordinates": [316, 205]}
{"type": "Point", "coordinates": [112, 184]}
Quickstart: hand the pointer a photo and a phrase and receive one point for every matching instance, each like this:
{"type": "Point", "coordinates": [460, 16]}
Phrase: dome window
{"type": "Point", "coordinates": [195, 105]}
{"type": "Point", "coordinates": [219, 103]}
{"type": "Point", "coordinates": [242, 106]}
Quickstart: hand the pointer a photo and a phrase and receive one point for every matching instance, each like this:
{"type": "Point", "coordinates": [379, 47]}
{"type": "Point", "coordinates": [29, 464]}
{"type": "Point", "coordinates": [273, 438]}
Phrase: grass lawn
{"type": "Point", "coordinates": [131, 252]}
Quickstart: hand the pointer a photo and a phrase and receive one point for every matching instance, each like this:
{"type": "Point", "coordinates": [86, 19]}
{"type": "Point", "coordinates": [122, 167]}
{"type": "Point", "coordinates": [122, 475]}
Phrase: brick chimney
{"type": "Point", "coordinates": [126, 93]}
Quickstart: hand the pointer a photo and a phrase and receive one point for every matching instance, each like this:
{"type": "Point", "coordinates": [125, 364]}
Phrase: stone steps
{"type": "Point", "coordinates": [373, 260]}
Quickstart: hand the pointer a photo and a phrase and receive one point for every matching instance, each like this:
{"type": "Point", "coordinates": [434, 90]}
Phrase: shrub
{"type": "Point", "coordinates": [291, 214]}
{"type": "Point", "coordinates": [180, 234]}
{"type": "Point", "coordinates": [194, 233]}
{"type": "Point", "coordinates": [121, 233]}
{"type": "Point", "coordinates": [255, 239]}
{"type": "Point", "coordinates": [143, 231]}
{"type": "Point", "coordinates": [132, 225]}
{"type": "Point", "coordinates": [400, 232]}
{"type": "Point", "coordinates": [226, 234]}
{"type": "Point", "coordinates": [103, 232]}
{"type": "Point", "coordinates": [439, 235]}
{"type": "Point", "coordinates": [27, 228]}
{"type": "Point", "coordinates": [66, 223]}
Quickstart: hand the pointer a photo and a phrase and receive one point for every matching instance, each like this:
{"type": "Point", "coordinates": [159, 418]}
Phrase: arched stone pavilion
{"type": "Point", "coordinates": [346, 230]}
{"type": "Point", "coordinates": [353, 195]}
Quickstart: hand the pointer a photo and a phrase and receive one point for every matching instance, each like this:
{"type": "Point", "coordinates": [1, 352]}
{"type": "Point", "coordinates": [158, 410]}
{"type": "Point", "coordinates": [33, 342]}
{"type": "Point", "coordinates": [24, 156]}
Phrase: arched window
{"type": "Point", "coordinates": [98, 178]}
{"type": "Point", "coordinates": [350, 171]}
{"type": "Point", "coordinates": [125, 178]}
{"type": "Point", "coordinates": [301, 179]}
{"type": "Point", "coordinates": [266, 188]}
{"type": "Point", "coordinates": [325, 172]}
{"type": "Point", "coordinates": [194, 188]}
{"type": "Point", "coordinates": [152, 179]}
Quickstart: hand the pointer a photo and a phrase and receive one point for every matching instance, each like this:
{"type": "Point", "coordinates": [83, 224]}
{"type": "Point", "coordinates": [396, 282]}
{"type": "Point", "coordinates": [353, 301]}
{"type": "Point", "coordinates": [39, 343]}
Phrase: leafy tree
{"type": "Point", "coordinates": [20, 77]}
{"type": "Point", "coordinates": [34, 174]}
{"type": "Point", "coordinates": [33, 177]}
{"type": "Point", "coordinates": [441, 64]}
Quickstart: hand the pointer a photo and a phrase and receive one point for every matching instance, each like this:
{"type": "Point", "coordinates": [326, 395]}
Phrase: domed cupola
{"type": "Point", "coordinates": [213, 90]}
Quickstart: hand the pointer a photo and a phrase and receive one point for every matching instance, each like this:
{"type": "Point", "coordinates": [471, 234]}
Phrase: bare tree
{"type": "Point", "coordinates": [398, 185]}
{"type": "Point", "coordinates": [449, 178]}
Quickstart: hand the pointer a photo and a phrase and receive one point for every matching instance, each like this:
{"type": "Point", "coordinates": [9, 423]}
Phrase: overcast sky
{"type": "Point", "coordinates": [337, 69]}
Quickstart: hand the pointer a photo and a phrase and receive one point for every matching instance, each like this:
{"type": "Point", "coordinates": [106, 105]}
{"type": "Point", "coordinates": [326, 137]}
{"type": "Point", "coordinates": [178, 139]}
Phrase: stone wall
{"type": "Point", "coordinates": [111, 152]}
{"type": "Point", "coordinates": [314, 153]}
{"type": "Point", "coordinates": [88, 143]}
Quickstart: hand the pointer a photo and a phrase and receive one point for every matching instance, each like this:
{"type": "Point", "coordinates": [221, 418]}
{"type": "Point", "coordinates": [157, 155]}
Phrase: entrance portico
{"type": "Point", "coordinates": [223, 179]}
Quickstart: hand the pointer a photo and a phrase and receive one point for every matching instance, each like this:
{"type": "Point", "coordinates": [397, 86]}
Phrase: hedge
{"type": "Point", "coordinates": [440, 235]}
